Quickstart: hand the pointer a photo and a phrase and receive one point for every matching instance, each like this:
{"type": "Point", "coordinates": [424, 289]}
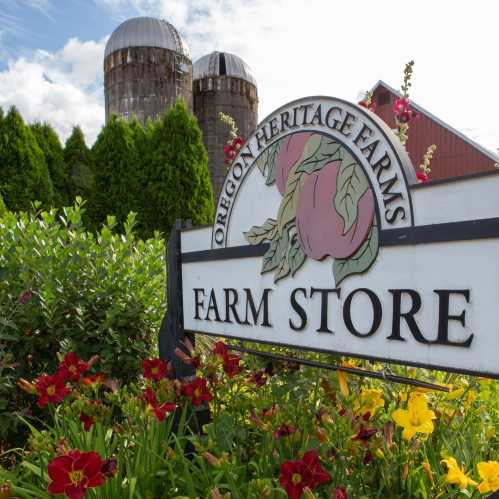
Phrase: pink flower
{"type": "Point", "coordinates": [421, 176]}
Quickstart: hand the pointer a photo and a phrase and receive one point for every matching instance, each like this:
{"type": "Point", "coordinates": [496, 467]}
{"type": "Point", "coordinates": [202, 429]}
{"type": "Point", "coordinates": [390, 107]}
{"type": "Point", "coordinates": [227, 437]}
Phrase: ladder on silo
{"type": "Point", "coordinates": [177, 59]}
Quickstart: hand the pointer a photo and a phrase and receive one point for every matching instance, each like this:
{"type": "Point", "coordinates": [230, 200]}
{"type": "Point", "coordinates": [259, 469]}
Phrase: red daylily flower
{"type": "Point", "coordinates": [259, 378]}
{"type": "Point", "coordinates": [149, 396]}
{"type": "Point", "coordinates": [319, 474]}
{"type": "Point", "coordinates": [72, 367]}
{"type": "Point", "coordinates": [155, 369]}
{"type": "Point", "coordinates": [109, 467]}
{"type": "Point", "coordinates": [220, 349]}
{"type": "Point", "coordinates": [365, 434]}
{"type": "Point", "coordinates": [285, 430]}
{"type": "Point", "coordinates": [51, 389]}
{"type": "Point", "coordinates": [368, 457]}
{"type": "Point", "coordinates": [231, 365]}
{"type": "Point", "coordinates": [87, 421]}
{"type": "Point", "coordinates": [197, 391]}
{"type": "Point", "coordinates": [161, 410]}
{"type": "Point", "coordinates": [74, 473]}
{"type": "Point", "coordinates": [339, 493]}
{"type": "Point", "coordinates": [307, 472]}
{"type": "Point", "coordinates": [294, 478]}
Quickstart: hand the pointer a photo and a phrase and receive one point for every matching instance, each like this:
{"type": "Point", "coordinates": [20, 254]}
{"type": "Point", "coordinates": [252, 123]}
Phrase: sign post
{"type": "Point", "coordinates": [324, 241]}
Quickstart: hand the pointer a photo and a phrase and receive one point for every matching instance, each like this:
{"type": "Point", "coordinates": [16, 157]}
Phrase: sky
{"type": "Point", "coordinates": [51, 53]}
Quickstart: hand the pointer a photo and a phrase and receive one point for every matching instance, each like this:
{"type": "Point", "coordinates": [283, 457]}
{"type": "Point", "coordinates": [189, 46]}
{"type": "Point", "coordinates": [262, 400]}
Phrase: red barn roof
{"type": "Point", "coordinates": [456, 154]}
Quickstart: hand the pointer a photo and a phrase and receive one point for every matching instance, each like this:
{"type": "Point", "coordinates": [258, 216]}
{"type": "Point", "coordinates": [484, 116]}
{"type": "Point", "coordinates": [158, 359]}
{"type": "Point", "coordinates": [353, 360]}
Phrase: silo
{"type": "Point", "coordinates": [147, 66]}
{"type": "Point", "coordinates": [223, 82]}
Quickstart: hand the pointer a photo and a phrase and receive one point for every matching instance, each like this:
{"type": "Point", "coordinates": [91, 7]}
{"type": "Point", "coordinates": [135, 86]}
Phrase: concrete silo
{"type": "Point", "coordinates": [147, 66]}
{"type": "Point", "coordinates": [223, 82]}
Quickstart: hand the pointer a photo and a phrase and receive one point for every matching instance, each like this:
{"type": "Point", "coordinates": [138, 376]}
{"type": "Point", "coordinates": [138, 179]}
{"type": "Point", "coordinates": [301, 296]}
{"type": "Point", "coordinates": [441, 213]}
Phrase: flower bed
{"type": "Point", "coordinates": [277, 431]}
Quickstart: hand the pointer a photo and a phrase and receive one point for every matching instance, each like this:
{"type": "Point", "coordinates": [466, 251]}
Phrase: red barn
{"type": "Point", "coordinates": [456, 154]}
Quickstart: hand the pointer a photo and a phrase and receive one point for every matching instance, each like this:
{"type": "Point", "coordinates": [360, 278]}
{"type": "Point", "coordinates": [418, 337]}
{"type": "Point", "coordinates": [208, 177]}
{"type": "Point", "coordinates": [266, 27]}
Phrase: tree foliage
{"type": "Point", "coordinates": [78, 162]}
{"type": "Point", "coordinates": [24, 176]}
{"type": "Point", "coordinates": [115, 179]}
{"type": "Point", "coordinates": [50, 144]}
{"type": "Point", "coordinates": [176, 173]}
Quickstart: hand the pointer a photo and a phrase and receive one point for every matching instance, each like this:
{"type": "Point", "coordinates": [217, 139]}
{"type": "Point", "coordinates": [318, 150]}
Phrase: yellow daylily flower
{"type": "Point", "coordinates": [370, 400]}
{"type": "Point", "coordinates": [489, 473]}
{"type": "Point", "coordinates": [455, 475]}
{"type": "Point", "coordinates": [417, 418]}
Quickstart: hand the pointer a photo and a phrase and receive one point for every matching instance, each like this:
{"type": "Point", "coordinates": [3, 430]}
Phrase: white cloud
{"type": "Point", "coordinates": [296, 48]}
{"type": "Point", "coordinates": [300, 48]}
{"type": "Point", "coordinates": [63, 88]}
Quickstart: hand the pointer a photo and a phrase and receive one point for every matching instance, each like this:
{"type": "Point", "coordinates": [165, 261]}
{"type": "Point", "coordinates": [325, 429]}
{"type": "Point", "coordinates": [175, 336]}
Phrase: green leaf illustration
{"type": "Point", "coordinates": [294, 183]}
{"type": "Point", "coordinates": [257, 235]}
{"type": "Point", "coordinates": [266, 162]}
{"type": "Point", "coordinates": [351, 184]}
{"type": "Point", "coordinates": [323, 151]}
{"type": "Point", "coordinates": [360, 261]}
{"type": "Point", "coordinates": [276, 252]}
{"type": "Point", "coordinates": [283, 269]}
{"type": "Point", "coordinates": [296, 257]}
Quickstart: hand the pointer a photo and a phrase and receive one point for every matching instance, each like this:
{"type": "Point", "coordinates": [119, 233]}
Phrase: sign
{"type": "Point", "coordinates": [323, 240]}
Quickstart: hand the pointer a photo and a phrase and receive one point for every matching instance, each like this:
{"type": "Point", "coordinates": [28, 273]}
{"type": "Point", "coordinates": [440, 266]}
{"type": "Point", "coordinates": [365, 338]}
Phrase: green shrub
{"type": "Point", "coordinates": [63, 288]}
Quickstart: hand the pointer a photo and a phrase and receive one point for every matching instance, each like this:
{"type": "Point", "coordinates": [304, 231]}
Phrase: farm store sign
{"type": "Point", "coordinates": [322, 241]}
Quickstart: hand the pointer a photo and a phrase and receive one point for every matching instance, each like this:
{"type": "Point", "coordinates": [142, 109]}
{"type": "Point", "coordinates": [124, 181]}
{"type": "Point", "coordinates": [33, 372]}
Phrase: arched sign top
{"type": "Point", "coordinates": [316, 158]}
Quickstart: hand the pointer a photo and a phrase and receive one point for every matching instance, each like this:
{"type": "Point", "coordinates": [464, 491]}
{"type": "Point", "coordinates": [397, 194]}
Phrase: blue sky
{"type": "Point", "coordinates": [51, 52]}
{"type": "Point", "coordinates": [31, 25]}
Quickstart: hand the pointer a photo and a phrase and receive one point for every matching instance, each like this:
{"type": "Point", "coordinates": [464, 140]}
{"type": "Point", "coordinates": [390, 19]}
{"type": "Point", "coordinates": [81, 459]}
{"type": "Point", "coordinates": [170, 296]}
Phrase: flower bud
{"type": "Point", "coordinates": [26, 386]}
{"type": "Point", "coordinates": [5, 490]}
{"type": "Point", "coordinates": [211, 459]}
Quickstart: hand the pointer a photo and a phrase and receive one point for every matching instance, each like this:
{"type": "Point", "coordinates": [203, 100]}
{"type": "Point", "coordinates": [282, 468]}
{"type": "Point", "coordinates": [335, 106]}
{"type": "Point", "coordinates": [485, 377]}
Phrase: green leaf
{"type": "Point", "coordinates": [320, 150]}
{"type": "Point", "coordinates": [275, 253]}
{"type": "Point", "coordinates": [257, 235]}
{"type": "Point", "coordinates": [351, 184]}
{"type": "Point", "coordinates": [360, 261]}
{"type": "Point", "coordinates": [224, 426]}
{"type": "Point", "coordinates": [267, 160]}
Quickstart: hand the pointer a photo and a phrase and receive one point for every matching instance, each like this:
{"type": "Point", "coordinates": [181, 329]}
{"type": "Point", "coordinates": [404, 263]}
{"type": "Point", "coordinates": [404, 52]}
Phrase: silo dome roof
{"type": "Point", "coordinates": [222, 63]}
{"type": "Point", "coordinates": [146, 32]}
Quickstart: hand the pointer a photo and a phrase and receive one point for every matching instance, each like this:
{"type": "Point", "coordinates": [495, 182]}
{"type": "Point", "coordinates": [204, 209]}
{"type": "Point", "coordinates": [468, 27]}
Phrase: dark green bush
{"type": "Point", "coordinates": [65, 289]}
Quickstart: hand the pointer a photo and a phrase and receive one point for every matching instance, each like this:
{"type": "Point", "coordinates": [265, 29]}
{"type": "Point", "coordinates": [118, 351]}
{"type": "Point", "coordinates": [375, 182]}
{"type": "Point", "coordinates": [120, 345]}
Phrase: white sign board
{"type": "Point", "coordinates": [322, 240]}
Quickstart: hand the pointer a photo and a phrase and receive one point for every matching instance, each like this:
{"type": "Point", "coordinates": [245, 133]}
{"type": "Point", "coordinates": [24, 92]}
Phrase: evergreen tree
{"type": "Point", "coordinates": [24, 176]}
{"type": "Point", "coordinates": [3, 208]}
{"type": "Point", "coordinates": [115, 178]}
{"type": "Point", "coordinates": [178, 179]}
{"type": "Point", "coordinates": [77, 159]}
{"type": "Point", "coordinates": [51, 146]}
